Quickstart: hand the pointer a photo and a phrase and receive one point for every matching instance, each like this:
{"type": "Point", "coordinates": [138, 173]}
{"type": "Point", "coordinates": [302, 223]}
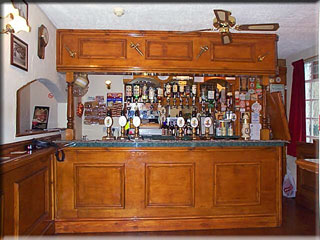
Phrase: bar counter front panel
{"type": "Point", "coordinates": [168, 185]}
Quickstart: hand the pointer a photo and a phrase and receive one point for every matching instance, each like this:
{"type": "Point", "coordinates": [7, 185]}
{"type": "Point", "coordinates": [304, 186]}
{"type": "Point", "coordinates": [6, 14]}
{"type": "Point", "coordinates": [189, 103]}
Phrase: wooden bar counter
{"type": "Point", "coordinates": [168, 185]}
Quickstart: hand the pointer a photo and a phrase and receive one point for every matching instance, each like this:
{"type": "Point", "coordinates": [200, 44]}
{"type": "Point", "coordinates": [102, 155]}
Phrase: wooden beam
{"type": "Point", "coordinates": [70, 133]}
{"type": "Point", "coordinates": [265, 131]}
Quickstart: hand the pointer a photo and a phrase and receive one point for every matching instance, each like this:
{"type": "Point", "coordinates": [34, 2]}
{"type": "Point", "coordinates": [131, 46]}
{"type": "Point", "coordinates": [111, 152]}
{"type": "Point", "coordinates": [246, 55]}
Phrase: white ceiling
{"type": "Point", "coordinates": [299, 22]}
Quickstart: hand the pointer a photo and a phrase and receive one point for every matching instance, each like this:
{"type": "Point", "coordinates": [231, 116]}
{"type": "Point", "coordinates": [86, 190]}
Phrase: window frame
{"type": "Point", "coordinates": [309, 138]}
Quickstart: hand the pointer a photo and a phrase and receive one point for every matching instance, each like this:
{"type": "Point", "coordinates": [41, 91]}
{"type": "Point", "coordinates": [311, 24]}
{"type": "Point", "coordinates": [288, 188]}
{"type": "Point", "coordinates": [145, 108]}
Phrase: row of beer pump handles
{"type": "Point", "coordinates": [137, 122]}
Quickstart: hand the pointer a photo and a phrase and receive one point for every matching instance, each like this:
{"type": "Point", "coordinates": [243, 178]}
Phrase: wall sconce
{"type": "Point", "coordinates": [81, 85]}
{"type": "Point", "coordinates": [108, 84]}
{"type": "Point", "coordinates": [12, 22]}
{"type": "Point", "coordinates": [82, 80]}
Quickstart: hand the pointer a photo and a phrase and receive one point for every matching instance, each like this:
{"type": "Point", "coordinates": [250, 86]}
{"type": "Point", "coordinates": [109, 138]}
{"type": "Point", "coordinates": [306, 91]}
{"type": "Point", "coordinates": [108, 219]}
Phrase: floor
{"type": "Point", "coordinates": [298, 222]}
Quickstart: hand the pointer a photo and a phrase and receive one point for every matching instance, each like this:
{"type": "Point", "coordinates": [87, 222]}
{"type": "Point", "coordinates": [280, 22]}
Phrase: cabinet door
{"type": "Point", "coordinates": [28, 198]}
{"type": "Point", "coordinates": [92, 50]}
{"type": "Point", "coordinates": [256, 55]}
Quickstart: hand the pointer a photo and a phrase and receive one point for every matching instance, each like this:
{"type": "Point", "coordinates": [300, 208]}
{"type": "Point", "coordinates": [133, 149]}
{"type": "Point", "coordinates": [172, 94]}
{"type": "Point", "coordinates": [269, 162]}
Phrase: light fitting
{"type": "Point", "coordinates": [118, 11]}
{"type": "Point", "coordinates": [11, 21]}
{"type": "Point", "coordinates": [81, 80]}
{"type": "Point", "coordinates": [108, 84]}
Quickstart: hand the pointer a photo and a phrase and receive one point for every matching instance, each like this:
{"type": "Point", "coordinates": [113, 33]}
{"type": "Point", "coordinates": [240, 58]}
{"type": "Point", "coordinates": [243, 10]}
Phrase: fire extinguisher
{"type": "Point", "coordinates": [80, 108]}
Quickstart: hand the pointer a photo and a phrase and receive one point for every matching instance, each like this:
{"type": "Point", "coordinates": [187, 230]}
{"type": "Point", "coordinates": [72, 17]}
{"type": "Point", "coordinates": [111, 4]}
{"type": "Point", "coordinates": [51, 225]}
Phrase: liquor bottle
{"type": "Point", "coordinates": [128, 93]}
{"type": "Point", "coordinates": [136, 92]}
{"type": "Point", "coordinates": [144, 92]}
{"type": "Point", "coordinates": [204, 94]}
{"type": "Point", "coordinates": [151, 94]}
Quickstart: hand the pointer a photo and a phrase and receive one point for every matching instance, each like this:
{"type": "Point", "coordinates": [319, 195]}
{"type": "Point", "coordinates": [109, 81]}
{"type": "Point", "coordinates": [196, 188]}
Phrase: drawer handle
{"type": "Point", "coordinates": [203, 49]}
{"type": "Point", "coordinates": [71, 53]}
{"type": "Point", "coordinates": [136, 47]}
{"type": "Point", "coordinates": [262, 57]}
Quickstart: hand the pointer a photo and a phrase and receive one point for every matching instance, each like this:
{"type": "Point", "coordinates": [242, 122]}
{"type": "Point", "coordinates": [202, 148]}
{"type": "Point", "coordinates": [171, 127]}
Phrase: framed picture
{"type": "Point", "coordinates": [40, 117]}
{"type": "Point", "coordinates": [19, 53]}
{"type": "Point", "coordinates": [22, 6]}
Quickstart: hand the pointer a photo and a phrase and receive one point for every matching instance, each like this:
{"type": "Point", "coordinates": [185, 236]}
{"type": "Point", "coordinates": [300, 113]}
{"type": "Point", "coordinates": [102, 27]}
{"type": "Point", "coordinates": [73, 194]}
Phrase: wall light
{"type": "Point", "coordinates": [11, 21]}
{"type": "Point", "coordinates": [108, 84]}
{"type": "Point", "coordinates": [82, 80]}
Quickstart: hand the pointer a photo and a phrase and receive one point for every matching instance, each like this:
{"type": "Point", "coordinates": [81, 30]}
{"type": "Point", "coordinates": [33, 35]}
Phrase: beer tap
{"type": "Point", "coordinates": [180, 124]}
{"type": "Point", "coordinates": [136, 123]}
{"type": "Point", "coordinates": [108, 121]}
{"type": "Point", "coordinates": [194, 124]}
{"type": "Point", "coordinates": [122, 122]}
{"type": "Point", "coordinates": [207, 125]}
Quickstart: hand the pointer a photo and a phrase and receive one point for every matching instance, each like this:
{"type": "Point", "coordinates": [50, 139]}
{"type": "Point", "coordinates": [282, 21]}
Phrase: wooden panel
{"type": "Point", "coordinates": [102, 48]}
{"type": "Point", "coordinates": [31, 203]}
{"type": "Point", "coordinates": [233, 52]}
{"type": "Point", "coordinates": [1, 214]}
{"type": "Point", "coordinates": [277, 114]}
{"type": "Point", "coordinates": [197, 188]}
{"type": "Point", "coordinates": [232, 184]}
{"type": "Point", "coordinates": [99, 186]}
{"type": "Point", "coordinates": [307, 188]}
{"type": "Point", "coordinates": [165, 50]}
{"type": "Point", "coordinates": [170, 185]}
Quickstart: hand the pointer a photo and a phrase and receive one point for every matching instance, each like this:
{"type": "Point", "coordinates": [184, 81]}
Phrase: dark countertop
{"type": "Point", "coordinates": [173, 143]}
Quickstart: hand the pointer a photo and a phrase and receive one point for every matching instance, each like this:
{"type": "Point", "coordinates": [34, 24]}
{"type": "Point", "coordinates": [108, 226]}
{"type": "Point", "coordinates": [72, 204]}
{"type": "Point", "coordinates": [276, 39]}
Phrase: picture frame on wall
{"type": "Point", "coordinates": [40, 118]}
{"type": "Point", "coordinates": [19, 53]}
{"type": "Point", "coordinates": [23, 8]}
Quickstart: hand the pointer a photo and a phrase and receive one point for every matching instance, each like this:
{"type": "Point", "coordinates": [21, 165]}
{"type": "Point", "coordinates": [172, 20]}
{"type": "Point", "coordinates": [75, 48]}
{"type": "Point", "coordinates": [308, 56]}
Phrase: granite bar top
{"type": "Point", "coordinates": [172, 143]}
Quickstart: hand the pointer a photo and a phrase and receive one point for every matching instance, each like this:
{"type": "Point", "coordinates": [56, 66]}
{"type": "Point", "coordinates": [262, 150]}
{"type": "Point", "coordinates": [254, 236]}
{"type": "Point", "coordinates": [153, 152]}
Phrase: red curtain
{"type": "Point", "coordinates": [297, 117]}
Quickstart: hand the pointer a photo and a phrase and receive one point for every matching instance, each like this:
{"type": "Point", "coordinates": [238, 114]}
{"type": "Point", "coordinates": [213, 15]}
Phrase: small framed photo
{"type": "Point", "coordinates": [40, 117]}
{"type": "Point", "coordinates": [22, 6]}
{"type": "Point", "coordinates": [19, 53]}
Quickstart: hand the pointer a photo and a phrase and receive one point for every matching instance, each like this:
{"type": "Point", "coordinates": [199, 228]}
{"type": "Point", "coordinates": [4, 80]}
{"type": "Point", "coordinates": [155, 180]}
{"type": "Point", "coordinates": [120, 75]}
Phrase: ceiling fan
{"type": "Point", "coordinates": [224, 21]}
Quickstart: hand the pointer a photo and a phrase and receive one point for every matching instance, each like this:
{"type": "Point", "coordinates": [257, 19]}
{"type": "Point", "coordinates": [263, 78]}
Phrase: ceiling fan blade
{"type": "Point", "coordinates": [258, 27]}
{"type": "Point", "coordinates": [222, 15]}
{"type": "Point", "coordinates": [199, 30]}
{"type": "Point", "coordinates": [226, 38]}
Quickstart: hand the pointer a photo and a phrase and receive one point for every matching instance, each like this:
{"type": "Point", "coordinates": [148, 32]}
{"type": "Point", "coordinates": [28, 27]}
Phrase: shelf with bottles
{"type": "Point", "coordinates": [174, 91]}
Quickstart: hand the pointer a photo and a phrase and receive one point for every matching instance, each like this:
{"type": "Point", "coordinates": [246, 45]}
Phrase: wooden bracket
{"type": "Point", "coordinates": [136, 47]}
{"type": "Point", "coordinates": [202, 50]}
{"type": "Point", "coordinates": [262, 57]}
{"type": "Point", "coordinates": [71, 53]}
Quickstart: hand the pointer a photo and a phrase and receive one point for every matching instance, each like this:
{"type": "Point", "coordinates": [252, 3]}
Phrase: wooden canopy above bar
{"type": "Point", "coordinates": [132, 51]}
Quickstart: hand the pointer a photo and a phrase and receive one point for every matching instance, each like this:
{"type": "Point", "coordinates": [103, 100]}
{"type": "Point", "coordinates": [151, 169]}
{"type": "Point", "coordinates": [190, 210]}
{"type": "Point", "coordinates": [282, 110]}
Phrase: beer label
{"type": "Point", "coordinates": [122, 121]}
{"type": "Point", "coordinates": [208, 122]}
{"type": "Point", "coordinates": [180, 122]}
{"type": "Point", "coordinates": [136, 121]}
{"type": "Point", "coordinates": [194, 122]}
{"type": "Point", "coordinates": [108, 121]}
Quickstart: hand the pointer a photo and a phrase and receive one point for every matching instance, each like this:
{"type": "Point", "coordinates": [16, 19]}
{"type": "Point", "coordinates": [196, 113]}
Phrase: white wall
{"type": "Point", "coordinates": [97, 87]}
{"type": "Point", "coordinates": [307, 53]}
{"type": "Point", "coordinates": [12, 78]}
{"type": "Point", "coordinates": [39, 97]}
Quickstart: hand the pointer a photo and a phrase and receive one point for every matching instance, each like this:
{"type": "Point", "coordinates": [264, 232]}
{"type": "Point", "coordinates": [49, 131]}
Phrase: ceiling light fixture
{"type": "Point", "coordinates": [118, 11]}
